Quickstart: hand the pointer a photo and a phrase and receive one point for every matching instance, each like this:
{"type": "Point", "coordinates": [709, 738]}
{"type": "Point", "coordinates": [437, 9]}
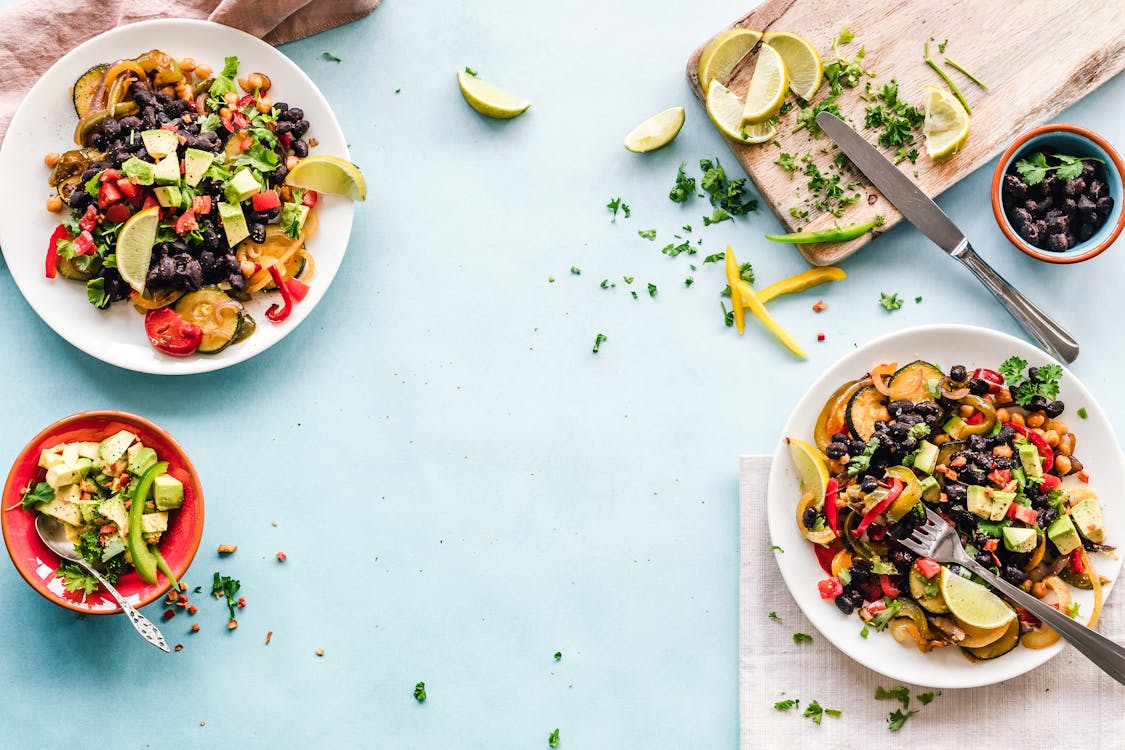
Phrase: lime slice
{"type": "Point", "coordinates": [801, 62]}
{"type": "Point", "coordinates": [811, 469]}
{"type": "Point", "coordinates": [134, 247]}
{"type": "Point", "coordinates": [328, 174]}
{"type": "Point", "coordinates": [973, 604]}
{"type": "Point", "coordinates": [489, 100]}
{"type": "Point", "coordinates": [658, 130]}
{"type": "Point", "coordinates": [723, 53]}
{"type": "Point", "coordinates": [946, 126]}
{"type": "Point", "coordinates": [767, 87]}
{"type": "Point", "coordinates": [725, 110]}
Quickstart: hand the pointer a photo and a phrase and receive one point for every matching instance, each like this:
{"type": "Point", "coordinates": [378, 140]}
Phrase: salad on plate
{"type": "Point", "coordinates": [190, 191]}
{"type": "Point", "coordinates": [986, 449]}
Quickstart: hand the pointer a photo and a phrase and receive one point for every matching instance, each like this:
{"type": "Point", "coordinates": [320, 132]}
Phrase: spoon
{"type": "Point", "coordinates": [54, 536]}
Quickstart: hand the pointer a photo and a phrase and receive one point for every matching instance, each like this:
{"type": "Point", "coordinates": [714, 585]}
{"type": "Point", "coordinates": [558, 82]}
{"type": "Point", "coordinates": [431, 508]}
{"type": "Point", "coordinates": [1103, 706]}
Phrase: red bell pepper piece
{"type": "Point", "coordinates": [239, 120]}
{"type": "Point", "coordinates": [1040, 444]}
{"type": "Point", "coordinates": [173, 126]}
{"type": "Point", "coordinates": [108, 194]}
{"type": "Point", "coordinates": [831, 512]}
{"type": "Point", "coordinates": [1023, 513]}
{"type": "Point", "coordinates": [201, 205]}
{"type": "Point", "coordinates": [246, 143]}
{"type": "Point", "coordinates": [895, 490]}
{"type": "Point", "coordinates": [888, 586]}
{"type": "Point", "coordinates": [994, 379]}
{"type": "Point", "coordinates": [285, 139]}
{"type": "Point", "coordinates": [60, 233]}
{"type": "Point", "coordinates": [168, 332]}
{"type": "Point", "coordinates": [185, 223]}
{"type": "Point", "coordinates": [309, 199]}
{"type": "Point", "coordinates": [84, 244]}
{"type": "Point", "coordinates": [117, 213]}
{"type": "Point", "coordinates": [299, 290]}
{"type": "Point", "coordinates": [990, 545]}
{"type": "Point", "coordinates": [928, 567]}
{"type": "Point", "coordinates": [278, 313]}
{"type": "Point", "coordinates": [830, 588]}
{"type": "Point", "coordinates": [89, 219]}
{"type": "Point", "coordinates": [1000, 477]}
{"type": "Point", "coordinates": [825, 554]}
{"type": "Point", "coordinates": [245, 100]}
{"type": "Point", "coordinates": [1076, 561]}
{"type": "Point", "coordinates": [266, 200]}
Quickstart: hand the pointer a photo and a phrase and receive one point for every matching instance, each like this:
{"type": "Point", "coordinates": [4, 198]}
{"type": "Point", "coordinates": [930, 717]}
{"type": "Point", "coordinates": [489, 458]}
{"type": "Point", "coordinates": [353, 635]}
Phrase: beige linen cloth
{"type": "Point", "coordinates": [1067, 703]}
{"type": "Point", "coordinates": [31, 31]}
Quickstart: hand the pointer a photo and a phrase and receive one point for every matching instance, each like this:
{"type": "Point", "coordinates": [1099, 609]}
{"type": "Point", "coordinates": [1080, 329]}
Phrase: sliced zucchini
{"type": "Point", "coordinates": [69, 268]}
{"type": "Point", "coordinates": [246, 327]}
{"type": "Point", "coordinates": [1002, 645]}
{"type": "Point", "coordinates": [927, 372]}
{"type": "Point", "coordinates": [866, 407]}
{"type": "Point", "coordinates": [86, 87]}
{"type": "Point", "coordinates": [935, 604]}
{"type": "Point", "coordinates": [219, 328]}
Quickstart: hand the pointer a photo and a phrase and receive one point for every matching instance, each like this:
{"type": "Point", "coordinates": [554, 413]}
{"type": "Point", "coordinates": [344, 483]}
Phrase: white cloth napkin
{"type": "Point", "coordinates": [1067, 703]}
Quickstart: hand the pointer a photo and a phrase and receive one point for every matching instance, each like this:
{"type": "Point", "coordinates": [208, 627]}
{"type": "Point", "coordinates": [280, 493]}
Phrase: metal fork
{"type": "Point", "coordinates": [938, 540]}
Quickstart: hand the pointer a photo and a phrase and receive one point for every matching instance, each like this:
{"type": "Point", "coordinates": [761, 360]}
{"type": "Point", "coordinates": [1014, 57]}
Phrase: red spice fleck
{"type": "Point", "coordinates": [242, 602]}
{"type": "Point", "coordinates": [820, 305]}
{"type": "Point", "coordinates": [179, 647]}
{"type": "Point", "coordinates": [820, 337]}
{"type": "Point", "coordinates": [169, 614]}
{"type": "Point", "coordinates": [269, 635]}
{"type": "Point", "coordinates": [195, 627]}
{"type": "Point", "coordinates": [281, 557]}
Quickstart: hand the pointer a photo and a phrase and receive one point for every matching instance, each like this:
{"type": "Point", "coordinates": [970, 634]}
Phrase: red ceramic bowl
{"type": "Point", "coordinates": [37, 564]}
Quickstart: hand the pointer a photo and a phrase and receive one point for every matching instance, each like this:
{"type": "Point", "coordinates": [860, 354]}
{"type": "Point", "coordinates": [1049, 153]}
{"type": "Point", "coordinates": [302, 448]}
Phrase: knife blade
{"type": "Point", "coordinates": [923, 213]}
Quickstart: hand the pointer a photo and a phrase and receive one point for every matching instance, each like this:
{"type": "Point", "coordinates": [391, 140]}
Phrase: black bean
{"type": "Point", "coordinates": [957, 373]}
{"type": "Point", "coordinates": [899, 406]}
{"type": "Point", "coordinates": [836, 450]}
{"type": "Point", "coordinates": [237, 281]}
{"type": "Point", "coordinates": [1057, 242]}
{"type": "Point", "coordinates": [869, 484]}
{"type": "Point", "coordinates": [282, 127]}
{"type": "Point", "coordinates": [927, 408]}
{"type": "Point", "coordinates": [978, 386]}
{"type": "Point", "coordinates": [809, 517]}
{"type": "Point", "coordinates": [257, 232]}
{"type": "Point", "coordinates": [1012, 575]}
{"type": "Point", "coordinates": [300, 149]}
{"type": "Point", "coordinates": [300, 128]}
{"type": "Point", "coordinates": [976, 442]}
{"type": "Point", "coordinates": [1054, 409]}
{"type": "Point", "coordinates": [293, 114]}
{"type": "Point", "coordinates": [844, 604]}
{"type": "Point", "coordinates": [280, 106]}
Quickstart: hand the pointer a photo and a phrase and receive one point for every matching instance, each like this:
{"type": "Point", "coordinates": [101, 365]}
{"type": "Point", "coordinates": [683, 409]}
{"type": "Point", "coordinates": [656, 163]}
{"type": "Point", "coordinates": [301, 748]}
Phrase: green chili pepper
{"type": "Point", "coordinates": [988, 416]}
{"type": "Point", "coordinates": [162, 566]}
{"type": "Point", "coordinates": [143, 559]}
{"type": "Point", "coordinates": [837, 234]}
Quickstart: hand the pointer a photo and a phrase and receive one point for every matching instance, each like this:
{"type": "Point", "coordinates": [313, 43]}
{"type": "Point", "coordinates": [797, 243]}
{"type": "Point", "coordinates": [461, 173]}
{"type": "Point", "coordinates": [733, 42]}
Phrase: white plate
{"type": "Point", "coordinates": [45, 122]}
{"type": "Point", "coordinates": [944, 345]}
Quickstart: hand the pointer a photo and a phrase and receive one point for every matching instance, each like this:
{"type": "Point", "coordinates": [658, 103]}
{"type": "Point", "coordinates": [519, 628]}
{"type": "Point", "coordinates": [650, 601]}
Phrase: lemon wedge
{"type": "Point", "coordinates": [723, 53]}
{"type": "Point", "coordinates": [811, 469]}
{"type": "Point", "coordinates": [725, 110]}
{"type": "Point", "coordinates": [946, 126]}
{"type": "Point", "coordinates": [134, 247]}
{"type": "Point", "coordinates": [328, 174]}
{"type": "Point", "coordinates": [768, 85]}
{"type": "Point", "coordinates": [657, 131]}
{"type": "Point", "coordinates": [489, 100]}
{"type": "Point", "coordinates": [974, 605]}
{"type": "Point", "coordinates": [802, 62]}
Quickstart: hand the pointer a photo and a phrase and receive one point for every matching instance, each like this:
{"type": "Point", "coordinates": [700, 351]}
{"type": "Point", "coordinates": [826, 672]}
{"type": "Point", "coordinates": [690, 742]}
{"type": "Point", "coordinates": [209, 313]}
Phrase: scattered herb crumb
{"type": "Point", "coordinates": [225, 586]}
{"type": "Point", "coordinates": [616, 205]}
{"type": "Point", "coordinates": [627, 279]}
{"type": "Point", "coordinates": [558, 656]}
{"type": "Point", "coordinates": [715, 258]}
{"type": "Point", "coordinates": [787, 704]}
{"type": "Point", "coordinates": [788, 162]}
{"type": "Point", "coordinates": [470, 71]}
{"type": "Point", "coordinates": [900, 694]}
{"type": "Point", "coordinates": [633, 293]}
{"type": "Point", "coordinates": [550, 279]}
{"type": "Point", "coordinates": [925, 698]}
{"type": "Point", "coordinates": [330, 57]}
{"type": "Point", "coordinates": [775, 617]}
{"type": "Point", "coordinates": [600, 339]}
{"type": "Point", "coordinates": [779, 549]}
{"type": "Point", "coordinates": [898, 718]}
{"type": "Point", "coordinates": [684, 189]}
{"type": "Point", "coordinates": [420, 692]}
{"type": "Point", "coordinates": [689, 281]}
{"type": "Point", "coordinates": [918, 300]}
{"type": "Point", "coordinates": [802, 637]}
{"type": "Point", "coordinates": [576, 270]}
{"type": "Point", "coordinates": [863, 633]}
{"type": "Point", "coordinates": [553, 738]}
{"type": "Point", "coordinates": [687, 228]}
{"type": "Point", "coordinates": [816, 712]}
{"type": "Point", "coordinates": [648, 234]}
{"type": "Point", "coordinates": [398, 91]}
{"type": "Point", "coordinates": [1082, 413]}
{"type": "Point", "coordinates": [890, 302]}
{"type": "Point", "coordinates": [652, 290]}
{"type": "Point", "coordinates": [941, 47]}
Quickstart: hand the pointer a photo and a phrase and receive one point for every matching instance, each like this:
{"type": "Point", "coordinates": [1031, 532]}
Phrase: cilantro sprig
{"type": "Point", "coordinates": [1034, 169]}
{"type": "Point", "coordinates": [1023, 386]}
{"type": "Point", "coordinates": [890, 302]}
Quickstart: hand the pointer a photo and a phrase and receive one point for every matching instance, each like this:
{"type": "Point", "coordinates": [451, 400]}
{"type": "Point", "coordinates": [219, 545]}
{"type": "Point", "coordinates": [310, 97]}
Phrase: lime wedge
{"type": "Point", "coordinates": [801, 62]}
{"type": "Point", "coordinates": [946, 126]}
{"type": "Point", "coordinates": [767, 87]}
{"type": "Point", "coordinates": [658, 130]}
{"type": "Point", "coordinates": [134, 247]}
{"type": "Point", "coordinates": [973, 604]}
{"type": "Point", "coordinates": [489, 100]}
{"type": "Point", "coordinates": [328, 174]}
{"type": "Point", "coordinates": [725, 110]}
{"type": "Point", "coordinates": [723, 53]}
{"type": "Point", "coordinates": [811, 469]}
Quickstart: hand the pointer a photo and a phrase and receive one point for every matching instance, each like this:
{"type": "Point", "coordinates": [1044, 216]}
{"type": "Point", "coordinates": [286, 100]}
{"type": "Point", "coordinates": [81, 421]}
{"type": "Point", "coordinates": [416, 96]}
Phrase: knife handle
{"type": "Point", "coordinates": [1050, 335]}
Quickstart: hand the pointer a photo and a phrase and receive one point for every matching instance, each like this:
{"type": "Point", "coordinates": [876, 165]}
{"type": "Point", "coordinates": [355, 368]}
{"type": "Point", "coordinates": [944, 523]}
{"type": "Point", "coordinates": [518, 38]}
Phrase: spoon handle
{"type": "Point", "coordinates": [143, 625]}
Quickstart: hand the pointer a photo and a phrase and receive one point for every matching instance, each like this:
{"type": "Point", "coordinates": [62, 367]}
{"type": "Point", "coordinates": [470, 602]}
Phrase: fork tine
{"type": "Point", "coordinates": [915, 546]}
{"type": "Point", "coordinates": [936, 520]}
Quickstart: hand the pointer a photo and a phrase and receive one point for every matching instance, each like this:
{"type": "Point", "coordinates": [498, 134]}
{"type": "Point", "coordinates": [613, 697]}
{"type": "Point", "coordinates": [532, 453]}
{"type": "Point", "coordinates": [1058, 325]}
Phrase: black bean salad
{"type": "Point", "coordinates": [986, 449]}
{"type": "Point", "coordinates": [178, 201]}
{"type": "Point", "coordinates": [1055, 201]}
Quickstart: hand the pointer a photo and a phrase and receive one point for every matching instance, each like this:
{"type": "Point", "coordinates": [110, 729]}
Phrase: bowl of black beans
{"type": "Point", "coordinates": [1057, 193]}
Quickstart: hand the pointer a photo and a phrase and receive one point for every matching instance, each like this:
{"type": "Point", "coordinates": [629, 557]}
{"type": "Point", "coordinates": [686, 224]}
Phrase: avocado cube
{"type": "Point", "coordinates": [62, 510]}
{"type": "Point", "coordinates": [168, 196]}
{"type": "Point", "coordinates": [88, 449]}
{"type": "Point", "coordinates": [160, 143]}
{"type": "Point", "coordinates": [113, 508]}
{"type": "Point", "coordinates": [196, 162]}
{"type": "Point", "coordinates": [64, 474]}
{"type": "Point", "coordinates": [925, 460]}
{"type": "Point", "coordinates": [241, 186]}
{"type": "Point", "coordinates": [234, 222]}
{"type": "Point", "coordinates": [954, 427]}
{"type": "Point", "coordinates": [49, 457]}
{"type": "Point", "coordinates": [1017, 539]}
{"type": "Point", "coordinates": [167, 171]}
{"type": "Point", "coordinates": [167, 492]}
{"type": "Point", "coordinates": [1029, 458]}
{"type": "Point", "coordinates": [70, 454]}
{"type": "Point", "coordinates": [141, 460]}
{"type": "Point", "coordinates": [114, 446]}
{"type": "Point", "coordinates": [142, 170]}
{"type": "Point", "coordinates": [978, 501]}
{"type": "Point", "coordinates": [1087, 518]}
{"type": "Point", "coordinates": [1000, 502]}
{"type": "Point", "coordinates": [154, 523]}
{"type": "Point", "coordinates": [1062, 533]}
{"type": "Point", "coordinates": [68, 494]}
{"type": "Point", "coordinates": [294, 213]}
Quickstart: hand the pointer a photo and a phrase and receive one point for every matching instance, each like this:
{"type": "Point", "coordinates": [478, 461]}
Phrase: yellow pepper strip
{"type": "Point", "coordinates": [736, 300]}
{"type": "Point", "coordinates": [750, 299]}
{"type": "Point", "coordinates": [801, 282]}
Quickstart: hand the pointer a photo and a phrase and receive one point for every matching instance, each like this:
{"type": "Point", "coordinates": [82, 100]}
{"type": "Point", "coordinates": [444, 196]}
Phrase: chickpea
{"type": "Point", "coordinates": [244, 85]}
{"type": "Point", "coordinates": [263, 82]}
{"type": "Point", "coordinates": [1051, 437]}
{"type": "Point", "coordinates": [1002, 451]}
{"type": "Point", "coordinates": [52, 158]}
{"type": "Point", "coordinates": [1036, 419]}
{"type": "Point", "coordinates": [224, 112]}
{"type": "Point", "coordinates": [264, 104]}
{"type": "Point", "coordinates": [291, 161]}
{"type": "Point", "coordinates": [168, 90]}
{"type": "Point", "coordinates": [965, 410]}
{"type": "Point", "coordinates": [1003, 415]}
{"type": "Point", "coordinates": [187, 64]}
{"type": "Point", "coordinates": [1016, 418]}
{"type": "Point", "coordinates": [203, 70]}
{"type": "Point", "coordinates": [1063, 465]}
{"type": "Point", "coordinates": [1039, 589]}
{"type": "Point", "coordinates": [255, 81]}
{"type": "Point", "coordinates": [1058, 426]}
{"type": "Point", "coordinates": [1039, 431]}
{"type": "Point", "coordinates": [941, 439]}
{"type": "Point", "coordinates": [54, 204]}
{"type": "Point", "coordinates": [231, 99]}
{"type": "Point", "coordinates": [1066, 444]}
{"type": "Point", "coordinates": [1004, 396]}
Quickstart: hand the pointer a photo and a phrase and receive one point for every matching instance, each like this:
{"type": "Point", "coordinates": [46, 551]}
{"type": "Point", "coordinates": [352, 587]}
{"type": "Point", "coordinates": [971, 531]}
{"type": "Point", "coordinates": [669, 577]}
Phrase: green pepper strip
{"type": "Point", "coordinates": [956, 65]}
{"type": "Point", "coordinates": [858, 546]}
{"type": "Point", "coordinates": [987, 410]}
{"type": "Point", "coordinates": [837, 234]}
{"type": "Point", "coordinates": [162, 566]}
{"type": "Point", "coordinates": [945, 77]}
{"type": "Point", "coordinates": [143, 559]}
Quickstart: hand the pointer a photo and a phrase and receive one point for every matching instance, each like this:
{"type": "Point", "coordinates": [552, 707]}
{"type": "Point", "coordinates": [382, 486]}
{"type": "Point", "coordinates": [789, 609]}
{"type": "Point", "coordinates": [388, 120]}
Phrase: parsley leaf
{"type": "Point", "coordinates": [897, 719]}
{"type": "Point", "coordinates": [1012, 368]}
{"type": "Point", "coordinates": [717, 215]}
{"type": "Point", "coordinates": [1024, 387]}
{"type": "Point", "coordinates": [859, 463]}
{"type": "Point", "coordinates": [775, 617]}
{"type": "Point", "coordinates": [882, 619]}
{"type": "Point", "coordinates": [900, 694]}
{"type": "Point", "coordinates": [919, 431]}
{"type": "Point", "coordinates": [648, 234]}
{"type": "Point", "coordinates": [785, 705]}
{"type": "Point", "coordinates": [890, 302]}
{"type": "Point", "coordinates": [684, 187]}
{"type": "Point", "coordinates": [553, 738]}
{"type": "Point", "coordinates": [1082, 413]}
{"type": "Point", "coordinates": [290, 220]}
{"type": "Point", "coordinates": [652, 290]}
{"type": "Point", "coordinates": [816, 712]}
{"type": "Point", "coordinates": [726, 195]}
{"type": "Point", "coordinates": [330, 57]}
{"type": "Point", "coordinates": [258, 157]}
{"type": "Point", "coordinates": [228, 587]}
{"type": "Point", "coordinates": [420, 692]}
{"type": "Point", "coordinates": [672, 249]}
{"type": "Point", "coordinates": [787, 162]}
{"type": "Point", "coordinates": [224, 82]}
{"type": "Point", "coordinates": [558, 656]}
{"type": "Point", "coordinates": [96, 293]}
{"type": "Point", "coordinates": [925, 698]}
{"type": "Point", "coordinates": [715, 258]}
{"type": "Point", "coordinates": [802, 638]}
{"type": "Point", "coordinates": [599, 340]}
{"type": "Point", "coordinates": [1034, 169]}
{"type": "Point", "coordinates": [36, 493]}
{"type": "Point", "coordinates": [74, 578]}
{"type": "Point", "coordinates": [616, 205]}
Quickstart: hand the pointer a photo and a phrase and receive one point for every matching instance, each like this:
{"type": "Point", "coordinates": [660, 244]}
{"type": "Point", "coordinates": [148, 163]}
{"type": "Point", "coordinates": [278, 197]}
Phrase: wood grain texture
{"type": "Point", "coordinates": [1037, 56]}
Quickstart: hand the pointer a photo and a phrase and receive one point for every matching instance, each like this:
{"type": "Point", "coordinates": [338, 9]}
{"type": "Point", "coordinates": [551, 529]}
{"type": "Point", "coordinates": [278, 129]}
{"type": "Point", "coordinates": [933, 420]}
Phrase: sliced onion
{"type": "Point", "coordinates": [310, 264]}
{"type": "Point", "coordinates": [1096, 585]}
{"type": "Point", "coordinates": [1040, 638]}
{"type": "Point", "coordinates": [218, 310]}
{"type": "Point", "coordinates": [899, 629]}
{"type": "Point", "coordinates": [956, 395]}
{"type": "Point", "coordinates": [877, 373]}
{"type": "Point", "coordinates": [1037, 557]}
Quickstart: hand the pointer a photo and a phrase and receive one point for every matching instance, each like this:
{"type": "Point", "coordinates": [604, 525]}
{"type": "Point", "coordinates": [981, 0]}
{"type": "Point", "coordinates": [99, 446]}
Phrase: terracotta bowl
{"type": "Point", "coordinates": [1075, 141]}
{"type": "Point", "coordinates": [37, 564]}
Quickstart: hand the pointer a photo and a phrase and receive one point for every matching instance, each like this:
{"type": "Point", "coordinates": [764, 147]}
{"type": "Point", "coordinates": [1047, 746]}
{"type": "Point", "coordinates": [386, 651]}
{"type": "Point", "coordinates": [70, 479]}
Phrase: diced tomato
{"type": "Point", "coordinates": [108, 194]}
{"type": "Point", "coordinates": [285, 139]}
{"type": "Point", "coordinates": [246, 143]}
{"type": "Point", "coordinates": [109, 175]}
{"type": "Point", "coordinates": [867, 611]}
{"type": "Point", "coordinates": [245, 100]}
{"type": "Point", "coordinates": [928, 567]}
{"type": "Point", "coordinates": [89, 219]}
{"type": "Point", "coordinates": [1076, 561]}
{"type": "Point", "coordinates": [1023, 513]}
{"type": "Point", "coordinates": [171, 334]}
{"type": "Point", "coordinates": [994, 379]}
{"type": "Point", "coordinates": [266, 200]}
{"type": "Point", "coordinates": [830, 588]}
{"type": "Point", "coordinates": [1050, 482]}
{"type": "Point", "coordinates": [173, 126]}
{"type": "Point", "coordinates": [84, 244]}
{"type": "Point", "coordinates": [117, 213]}
{"type": "Point", "coordinates": [1028, 619]}
{"type": "Point", "coordinates": [310, 199]}
{"type": "Point", "coordinates": [975, 418]}
{"type": "Point", "coordinates": [150, 201]}
{"type": "Point", "coordinates": [888, 586]}
{"type": "Point", "coordinates": [299, 290]}
{"type": "Point", "coordinates": [201, 204]}
{"type": "Point", "coordinates": [185, 222]}
{"type": "Point", "coordinates": [127, 187]}
{"type": "Point", "coordinates": [990, 545]}
{"type": "Point", "coordinates": [1000, 477]}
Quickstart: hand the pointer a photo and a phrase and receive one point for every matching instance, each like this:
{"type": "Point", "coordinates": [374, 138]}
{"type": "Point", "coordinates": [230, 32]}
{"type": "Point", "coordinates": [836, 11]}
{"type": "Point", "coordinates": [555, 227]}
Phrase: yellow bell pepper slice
{"type": "Point", "coordinates": [733, 277]}
{"type": "Point", "coordinates": [801, 282]}
{"type": "Point", "coordinates": [751, 300]}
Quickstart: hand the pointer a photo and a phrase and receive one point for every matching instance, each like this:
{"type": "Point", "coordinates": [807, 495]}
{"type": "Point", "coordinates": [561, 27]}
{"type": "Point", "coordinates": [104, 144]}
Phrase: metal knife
{"type": "Point", "coordinates": [923, 213]}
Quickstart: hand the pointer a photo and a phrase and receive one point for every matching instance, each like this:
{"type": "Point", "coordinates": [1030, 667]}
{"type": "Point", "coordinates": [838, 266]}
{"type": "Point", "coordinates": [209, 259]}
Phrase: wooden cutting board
{"type": "Point", "coordinates": [1037, 56]}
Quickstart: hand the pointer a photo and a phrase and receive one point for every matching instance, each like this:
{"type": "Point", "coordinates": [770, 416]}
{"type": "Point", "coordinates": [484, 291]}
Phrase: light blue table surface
{"type": "Point", "coordinates": [462, 488]}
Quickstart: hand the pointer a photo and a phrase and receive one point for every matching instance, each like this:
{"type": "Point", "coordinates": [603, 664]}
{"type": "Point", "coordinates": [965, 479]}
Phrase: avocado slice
{"type": "Point", "coordinates": [160, 143]}
{"type": "Point", "coordinates": [114, 446]}
{"type": "Point", "coordinates": [166, 171]}
{"type": "Point", "coordinates": [1087, 518]}
{"type": "Point", "coordinates": [925, 460]}
{"type": "Point", "coordinates": [196, 162]}
{"type": "Point", "coordinates": [142, 170]}
{"type": "Point", "coordinates": [1018, 539]}
{"type": "Point", "coordinates": [241, 186]}
{"type": "Point", "coordinates": [168, 196]}
{"type": "Point", "coordinates": [234, 222]}
{"type": "Point", "coordinates": [978, 501]}
{"type": "Point", "coordinates": [141, 459]}
{"type": "Point", "coordinates": [1000, 502]}
{"type": "Point", "coordinates": [1063, 534]}
{"type": "Point", "coordinates": [167, 492]}
{"type": "Point", "coordinates": [1029, 457]}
